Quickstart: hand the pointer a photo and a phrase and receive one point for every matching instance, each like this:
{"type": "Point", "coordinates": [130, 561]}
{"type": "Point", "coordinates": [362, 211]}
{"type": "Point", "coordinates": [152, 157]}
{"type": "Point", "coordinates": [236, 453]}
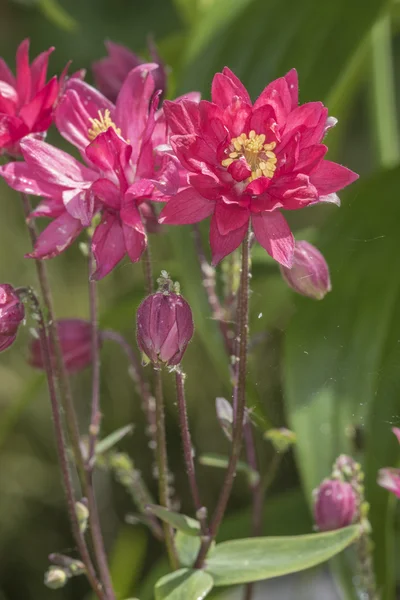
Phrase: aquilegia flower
{"type": "Point", "coordinates": [26, 101]}
{"type": "Point", "coordinates": [389, 478]}
{"type": "Point", "coordinates": [124, 169]}
{"type": "Point", "coordinates": [335, 505]}
{"type": "Point", "coordinates": [110, 72]}
{"type": "Point", "coordinates": [248, 161]}
{"type": "Point", "coordinates": [12, 314]}
{"type": "Point", "coordinates": [309, 274]}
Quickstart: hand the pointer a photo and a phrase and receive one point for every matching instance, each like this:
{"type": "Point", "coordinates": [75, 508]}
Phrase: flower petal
{"type": "Point", "coordinates": [292, 81]}
{"type": "Point", "coordinates": [273, 233]}
{"type": "Point", "coordinates": [230, 217]}
{"type": "Point", "coordinates": [21, 177]}
{"type": "Point", "coordinates": [278, 97]}
{"type": "Point", "coordinates": [106, 191]}
{"type": "Point", "coordinates": [40, 107]}
{"type": "Point", "coordinates": [6, 74]}
{"type": "Point", "coordinates": [222, 245]}
{"type": "Point", "coordinates": [135, 241]}
{"type": "Point", "coordinates": [239, 169]}
{"type": "Point", "coordinates": [182, 117]}
{"type": "Point", "coordinates": [225, 86]}
{"type": "Point", "coordinates": [39, 70]}
{"type": "Point", "coordinates": [108, 245]}
{"type": "Point", "coordinates": [187, 207]}
{"type": "Point", "coordinates": [331, 177]}
{"type": "Point", "coordinates": [56, 237]}
{"type": "Point", "coordinates": [24, 79]}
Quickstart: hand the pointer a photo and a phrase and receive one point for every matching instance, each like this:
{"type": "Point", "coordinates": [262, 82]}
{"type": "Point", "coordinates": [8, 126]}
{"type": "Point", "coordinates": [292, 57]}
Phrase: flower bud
{"type": "Point", "coordinates": [12, 313]}
{"type": "Point", "coordinates": [164, 327]}
{"type": "Point", "coordinates": [82, 513]}
{"type": "Point", "coordinates": [55, 578]}
{"type": "Point", "coordinates": [309, 275]}
{"type": "Point", "coordinates": [335, 505]}
{"type": "Point", "coordinates": [76, 344]}
{"type": "Point", "coordinates": [389, 479]}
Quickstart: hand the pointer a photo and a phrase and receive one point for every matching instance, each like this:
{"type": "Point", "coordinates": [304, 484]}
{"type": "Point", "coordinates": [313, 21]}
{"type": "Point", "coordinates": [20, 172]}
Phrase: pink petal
{"type": "Point", "coordinates": [146, 159]}
{"type": "Point", "coordinates": [110, 72]}
{"type": "Point", "coordinates": [239, 169]}
{"type": "Point", "coordinates": [55, 166]}
{"type": "Point", "coordinates": [225, 86]}
{"type": "Point", "coordinates": [135, 242]}
{"type": "Point", "coordinates": [310, 120]}
{"type": "Point", "coordinates": [106, 191]}
{"type": "Point", "coordinates": [330, 199]}
{"type": "Point", "coordinates": [278, 97]}
{"type": "Point", "coordinates": [207, 186]}
{"type": "Point", "coordinates": [182, 117]}
{"type": "Point", "coordinates": [390, 479]}
{"type": "Point", "coordinates": [5, 74]}
{"type": "Point", "coordinates": [39, 70]}
{"type": "Point", "coordinates": [309, 158]}
{"type": "Point", "coordinates": [56, 237]}
{"type": "Point", "coordinates": [396, 432]}
{"type": "Point", "coordinates": [292, 81]}
{"type": "Point", "coordinates": [132, 106]}
{"type": "Point", "coordinates": [21, 177]}
{"type": "Point", "coordinates": [8, 98]}
{"type": "Point", "coordinates": [43, 101]}
{"type": "Point", "coordinates": [273, 233]}
{"type": "Point", "coordinates": [230, 217]}
{"type": "Point", "coordinates": [108, 245]}
{"type": "Point", "coordinates": [236, 117]}
{"type": "Point", "coordinates": [331, 177]}
{"type": "Point", "coordinates": [109, 152]}
{"type": "Point", "coordinates": [261, 119]}
{"type": "Point", "coordinates": [193, 152]}
{"type": "Point", "coordinates": [222, 245]}
{"type": "Point", "coordinates": [51, 208]}
{"type": "Point", "coordinates": [187, 207]}
{"type": "Point", "coordinates": [294, 190]}
{"type": "Point", "coordinates": [12, 129]}
{"type": "Point", "coordinates": [23, 84]}
{"type": "Point", "coordinates": [80, 204]}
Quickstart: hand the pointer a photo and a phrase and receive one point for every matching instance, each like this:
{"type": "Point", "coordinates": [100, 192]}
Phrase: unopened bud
{"type": "Point", "coordinates": [335, 505]}
{"type": "Point", "coordinates": [281, 439]}
{"type": "Point", "coordinates": [55, 578]}
{"type": "Point", "coordinates": [82, 513]}
{"type": "Point", "coordinates": [309, 275]}
{"type": "Point", "coordinates": [76, 344]}
{"type": "Point", "coordinates": [12, 313]}
{"type": "Point", "coordinates": [225, 416]}
{"type": "Point", "coordinates": [164, 327]}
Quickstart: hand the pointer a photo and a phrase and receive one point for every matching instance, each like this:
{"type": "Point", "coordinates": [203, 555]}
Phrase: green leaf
{"type": "Point", "coordinates": [57, 15]}
{"type": "Point", "coordinates": [185, 584]}
{"type": "Point", "coordinates": [221, 462]}
{"type": "Point", "coordinates": [111, 440]}
{"type": "Point", "coordinates": [176, 520]}
{"type": "Point", "coordinates": [188, 547]}
{"type": "Point", "coordinates": [342, 354]}
{"type": "Point", "coordinates": [254, 559]}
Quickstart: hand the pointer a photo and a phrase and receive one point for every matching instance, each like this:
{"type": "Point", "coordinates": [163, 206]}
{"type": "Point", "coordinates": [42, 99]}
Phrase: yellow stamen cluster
{"type": "Point", "coordinates": [101, 125]}
{"type": "Point", "coordinates": [259, 156]}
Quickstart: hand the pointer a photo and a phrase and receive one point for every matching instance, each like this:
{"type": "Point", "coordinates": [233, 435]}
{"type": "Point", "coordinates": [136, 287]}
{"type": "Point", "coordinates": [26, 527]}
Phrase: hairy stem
{"type": "Point", "coordinates": [162, 464]}
{"type": "Point", "coordinates": [240, 408]}
{"type": "Point", "coordinates": [187, 450]}
{"type": "Point", "coordinates": [148, 270]}
{"type": "Point", "coordinates": [95, 420]}
{"type": "Point", "coordinates": [61, 443]}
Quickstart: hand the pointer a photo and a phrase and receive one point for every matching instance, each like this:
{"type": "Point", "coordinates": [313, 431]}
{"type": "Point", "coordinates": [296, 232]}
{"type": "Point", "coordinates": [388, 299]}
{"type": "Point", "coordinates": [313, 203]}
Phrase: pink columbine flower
{"type": "Point", "coordinates": [110, 72]}
{"type": "Point", "coordinates": [389, 478]}
{"type": "Point", "coordinates": [119, 144]}
{"type": "Point", "coordinates": [164, 327]}
{"type": "Point", "coordinates": [335, 505]}
{"type": "Point", "coordinates": [309, 274]}
{"type": "Point", "coordinates": [248, 161]}
{"type": "Point", "coordinates": [76, 345]}
{"type": "Point", "coordinates": [26, 101]}
{"type": "Point", "coordinates": [12, 314]}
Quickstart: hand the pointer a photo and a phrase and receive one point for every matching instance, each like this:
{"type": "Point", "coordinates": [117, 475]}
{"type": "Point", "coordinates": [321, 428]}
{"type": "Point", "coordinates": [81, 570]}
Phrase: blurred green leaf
{"type": "Point", "coordinates": [111, 440]}
{"type": "Point", "coordinates": [184, 584]}
{"type": "Point", "coordinates": [342, 355]}
{"type": "Point", "coordinates": [221, 462]}
{"type": "Point", "coordinates": [182, 522]}
{"type": "Point", "coordinates": [127, 559]}
{"type": "Point", "coordinates": [57, 15]}
{"type": "Point", "coordinates": [187, 547]}
{"type": "Point", "coordinates": [255, 559]}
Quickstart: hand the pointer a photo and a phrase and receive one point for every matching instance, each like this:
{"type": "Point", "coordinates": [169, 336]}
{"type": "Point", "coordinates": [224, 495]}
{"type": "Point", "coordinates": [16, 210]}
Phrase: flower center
{"type": "Point", "coordinates": [101, 125]}
{"type": "Point", "coordinates": [258, 155]}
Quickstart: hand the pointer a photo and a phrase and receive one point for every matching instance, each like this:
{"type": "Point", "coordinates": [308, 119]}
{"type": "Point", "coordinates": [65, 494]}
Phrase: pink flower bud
{"type": "Point", "coordinates": [389, 479]}
{"type": "Point", "coordinates": [164, 327]}
{"type": "Point", "coordinates": [76, 345]}
{"type": "Point", "coordinates": [335, 505]}
{"type": "Point", "coordinates": [12, 313]}
{"type": "Point", "coordinates": [309, 275]}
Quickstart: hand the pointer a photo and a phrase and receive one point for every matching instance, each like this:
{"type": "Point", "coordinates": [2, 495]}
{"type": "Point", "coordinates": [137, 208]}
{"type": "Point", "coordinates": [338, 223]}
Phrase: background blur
{"type": "Point", "coordinates": [329, 370]}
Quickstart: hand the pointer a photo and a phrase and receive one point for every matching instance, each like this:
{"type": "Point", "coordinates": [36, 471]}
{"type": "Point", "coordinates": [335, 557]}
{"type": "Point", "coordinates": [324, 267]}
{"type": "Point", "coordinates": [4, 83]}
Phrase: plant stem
{"type": "Point", "coordinates": [61, 377]}
{"type": "Point", "coordinates": [95, 420]}
{"type": "Point", "coordinates": [162, 463]}
{"type": "Point", "coordinates": [148, 270]}
{"type": "Point", "coordinates": [187, 449]}
{"type": "Point", "coordinates": [61, 444]}
{"type": "Point", "coordinates": [142, 387]}
{"type": "Point", "coordinates": [240, 408]}
{"type": "Point", "coordinates": [208, 277]}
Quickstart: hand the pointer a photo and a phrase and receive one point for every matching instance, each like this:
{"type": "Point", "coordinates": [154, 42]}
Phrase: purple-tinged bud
{"type": "Point", "coordinates": [76, 344]}
{"type": "Point", "coordinates": [309, 275]}
{"type": "Point", "coordinates": [12, 313]}
{"type": "Point", "coordinates": [389, 479]}
{"type": "Point", "coordinates": [164, 327]}
{"type": "Point", "coordinates": [335, 505]}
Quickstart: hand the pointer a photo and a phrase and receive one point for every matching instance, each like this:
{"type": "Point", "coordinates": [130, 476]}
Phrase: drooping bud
{"type": "Point", "coordinates": [309, 275]}
{"type": "Point", "coordinates": [12, 313]}
{"type": "Point", "coordinates": [164, 325]}
{"type": "Point", "coordinates": [76, 344]}
{"type": "Point", "coordinates": [55, 578]}
{"type": "Point", "coordinates": [335, 505]}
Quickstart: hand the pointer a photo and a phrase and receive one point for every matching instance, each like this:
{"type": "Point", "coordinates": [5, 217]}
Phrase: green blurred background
{"type": "Point", "coordinates": [329, 370]}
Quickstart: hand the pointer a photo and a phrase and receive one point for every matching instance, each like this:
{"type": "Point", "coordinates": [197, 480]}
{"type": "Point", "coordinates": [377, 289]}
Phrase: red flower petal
{"type": "Point", "coordinates": [293, 86]}
{"type": "Point", "coordinates": [207, 186]}
{"type": "Point", "coordinates": [331, 177]}
{"type": "Point", "coordinates": [187, 207]}
{"type": "Point", "coordinates": [43, 101]}
{"type": "Point", "coordinates": [22, 178]}
{"type": "Point", "coordinates": [222, 245]}
{"type": "Point", "coordinates": [39, 70]}
{"type": "Point", "coordinates": [225, 86]}
{"type": "Point", "coordinates": [5, 74]}
{"type": "Point", "coordinates": [278, 96]}
{"type": "Point", "coordinates": [56, 237]}
{"type": "Point", "coordinates": [24, 81]}
{"type": "Point", "coordinates": [273, 233]}
{"type": "Point", "coordinates": [108, 245]}
{"type": "Point", "coordinates": [106, 191]}
{"type": "Point", "coordinates": [239, 169]}
{"type": "Point", "coordinates": [135, 241]}
{"type": "Point", "coordinates": [182, 117]}
{"type": "Point", "coordinates": [230, 217]}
